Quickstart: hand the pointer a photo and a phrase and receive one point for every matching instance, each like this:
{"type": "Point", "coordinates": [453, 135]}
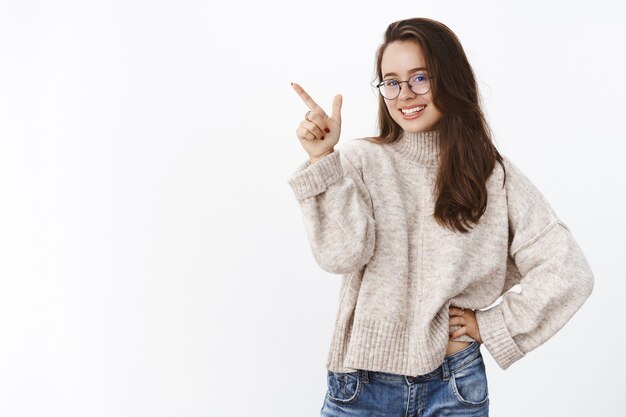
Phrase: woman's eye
{"type": "Point", "coordinates": [420, 78]}
{"type": "Point", "coordinates": [391, 83]}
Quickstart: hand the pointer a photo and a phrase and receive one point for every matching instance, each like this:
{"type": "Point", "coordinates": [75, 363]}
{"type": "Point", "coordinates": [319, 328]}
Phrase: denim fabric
{"type": "Point", "coordinates": [458, 387]}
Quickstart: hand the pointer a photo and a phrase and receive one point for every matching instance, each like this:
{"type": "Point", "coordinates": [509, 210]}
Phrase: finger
{"type": "Point", "coordinates": [457, 321]}
{"type": "Point", "coordinates": [304, 134]}
{"type": "Point", "coordinates": [455, 311]}
{"type": "Point", "coordinates": [313, 128]}
{"type": "Point", "coordinates": [337, 101]}
{"type": "Point", "coordinates": [458, 332]}
{"type": "Point", "coordinates": [311, 104]}
{"type": "Point", "coordinates": [321, 120]}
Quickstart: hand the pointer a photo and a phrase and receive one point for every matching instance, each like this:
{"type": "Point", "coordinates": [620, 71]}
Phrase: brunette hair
{"type": "Point", "coordinates": [467, 154]}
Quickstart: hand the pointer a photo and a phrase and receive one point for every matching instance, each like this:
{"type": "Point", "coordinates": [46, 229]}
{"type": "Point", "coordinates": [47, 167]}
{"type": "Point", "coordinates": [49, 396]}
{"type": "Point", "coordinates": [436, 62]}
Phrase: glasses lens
{"type": "Point", "coordinates": [390, 89]}
{"type": "Point", "coordinates": [419, 84]}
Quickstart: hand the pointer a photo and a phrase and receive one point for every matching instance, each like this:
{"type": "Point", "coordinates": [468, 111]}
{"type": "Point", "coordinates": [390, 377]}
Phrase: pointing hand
{"type": "Point", "coordinates": [319, 133]}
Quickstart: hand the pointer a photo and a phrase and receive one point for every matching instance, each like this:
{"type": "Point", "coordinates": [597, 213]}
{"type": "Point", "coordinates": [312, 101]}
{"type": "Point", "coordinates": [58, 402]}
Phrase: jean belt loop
{"type": "Point", "coordinates": [446, 369]}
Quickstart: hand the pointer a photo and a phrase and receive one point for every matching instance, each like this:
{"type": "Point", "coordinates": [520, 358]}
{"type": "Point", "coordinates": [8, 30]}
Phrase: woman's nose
{"type": "Point", "coordinates": [405, 91]}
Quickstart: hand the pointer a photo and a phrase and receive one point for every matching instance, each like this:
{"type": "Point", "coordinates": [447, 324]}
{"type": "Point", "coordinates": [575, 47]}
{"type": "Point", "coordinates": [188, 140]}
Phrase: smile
{"type": "Point", "coordinates": [412, 110]}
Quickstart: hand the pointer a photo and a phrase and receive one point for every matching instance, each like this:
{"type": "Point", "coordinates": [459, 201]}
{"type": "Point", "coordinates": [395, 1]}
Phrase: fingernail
{"type": "Point", "coordinates": [327, 130]}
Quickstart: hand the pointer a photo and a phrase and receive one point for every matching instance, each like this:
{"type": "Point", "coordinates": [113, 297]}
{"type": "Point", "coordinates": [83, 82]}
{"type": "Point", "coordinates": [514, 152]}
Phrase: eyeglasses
{"type": "Point", "coordinates": [418, 83]}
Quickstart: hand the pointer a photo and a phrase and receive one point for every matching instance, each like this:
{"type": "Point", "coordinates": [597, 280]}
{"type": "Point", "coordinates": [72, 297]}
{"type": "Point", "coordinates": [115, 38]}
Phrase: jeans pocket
{"type": "Point", "coordinates": [469, 383]}
{"type": "Point", "coordinates": [344, 387]}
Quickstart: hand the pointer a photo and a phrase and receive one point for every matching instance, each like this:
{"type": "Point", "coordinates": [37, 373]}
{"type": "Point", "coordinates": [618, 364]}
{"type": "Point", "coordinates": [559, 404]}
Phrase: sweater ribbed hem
{"type": "Point", "coordinates": [312, 179]}
{"type": "Point", "coordinates": [393, 347]}
{"type": "Point", "coordinates": [497, 338]}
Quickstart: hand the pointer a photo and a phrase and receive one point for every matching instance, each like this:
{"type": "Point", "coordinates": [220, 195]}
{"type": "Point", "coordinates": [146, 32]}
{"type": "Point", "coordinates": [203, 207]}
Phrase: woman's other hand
{"type": "Point", "coordinates": [320, 133]}
{"type": "Point", "coordinates": [466, 318]}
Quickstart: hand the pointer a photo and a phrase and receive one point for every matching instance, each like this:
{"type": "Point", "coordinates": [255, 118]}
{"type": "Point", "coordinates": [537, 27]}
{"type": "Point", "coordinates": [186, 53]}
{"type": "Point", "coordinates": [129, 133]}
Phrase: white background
{"type": "Point", "coordinates": [153, 260]}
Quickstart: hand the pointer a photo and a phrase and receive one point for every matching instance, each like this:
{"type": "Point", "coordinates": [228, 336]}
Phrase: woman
{"type": "Point", "coordinates": [429, 225]}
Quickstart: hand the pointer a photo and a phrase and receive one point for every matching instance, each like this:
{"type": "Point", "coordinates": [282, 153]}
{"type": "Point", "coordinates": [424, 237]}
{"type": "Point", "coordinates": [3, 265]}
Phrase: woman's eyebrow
{"type": "Point", "coordinates": [414, 69]}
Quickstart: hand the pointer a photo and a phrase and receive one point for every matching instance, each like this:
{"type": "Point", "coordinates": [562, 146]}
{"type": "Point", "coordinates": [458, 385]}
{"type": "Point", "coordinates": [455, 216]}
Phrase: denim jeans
{"type": "Point", "coordinates": [458, 387]}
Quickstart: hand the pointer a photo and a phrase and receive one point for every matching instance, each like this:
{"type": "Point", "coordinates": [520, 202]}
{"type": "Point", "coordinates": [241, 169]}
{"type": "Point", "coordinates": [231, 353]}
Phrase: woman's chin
{"type": "Point", "coordinates": [417, 126]}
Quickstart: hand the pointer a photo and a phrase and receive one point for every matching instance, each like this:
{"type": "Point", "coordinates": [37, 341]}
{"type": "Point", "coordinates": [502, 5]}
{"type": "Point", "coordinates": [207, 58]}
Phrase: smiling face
{"type": "Point", "coordinates": [400, 61]}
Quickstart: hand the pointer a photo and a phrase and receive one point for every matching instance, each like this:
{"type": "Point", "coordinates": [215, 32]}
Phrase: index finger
{"type": "Point", "coordinates": [311, 104]}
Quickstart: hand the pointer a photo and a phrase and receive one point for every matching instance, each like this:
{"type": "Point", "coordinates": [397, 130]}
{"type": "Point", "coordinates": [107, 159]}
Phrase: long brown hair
{"type": "Point", "coordinates": [467, 153]}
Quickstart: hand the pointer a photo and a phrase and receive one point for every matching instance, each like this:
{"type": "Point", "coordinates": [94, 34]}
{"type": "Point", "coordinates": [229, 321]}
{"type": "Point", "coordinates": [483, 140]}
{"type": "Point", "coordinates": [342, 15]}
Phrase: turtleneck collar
{"type": "Point", "coordinates": [421, 147]}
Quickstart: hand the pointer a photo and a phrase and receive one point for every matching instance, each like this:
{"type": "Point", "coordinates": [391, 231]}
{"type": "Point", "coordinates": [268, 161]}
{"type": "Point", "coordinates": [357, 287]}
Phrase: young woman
{"type": "Point", "coordinates": [429, 225]}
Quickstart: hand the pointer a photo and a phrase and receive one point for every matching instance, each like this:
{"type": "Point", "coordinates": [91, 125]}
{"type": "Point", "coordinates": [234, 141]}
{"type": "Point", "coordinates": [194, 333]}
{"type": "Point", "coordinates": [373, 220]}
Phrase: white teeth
{"type": "Point", "coordinates": [413, 110]}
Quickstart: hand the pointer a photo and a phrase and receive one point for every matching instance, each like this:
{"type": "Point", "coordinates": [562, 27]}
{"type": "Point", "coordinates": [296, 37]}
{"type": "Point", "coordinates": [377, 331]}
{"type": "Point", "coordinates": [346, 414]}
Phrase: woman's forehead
{"type": "Point", "coordinates": [402, 57]}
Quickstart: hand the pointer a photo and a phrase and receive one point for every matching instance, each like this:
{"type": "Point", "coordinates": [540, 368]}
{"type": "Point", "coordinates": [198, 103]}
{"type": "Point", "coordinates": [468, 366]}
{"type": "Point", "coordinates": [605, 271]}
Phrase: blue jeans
{"type": "Point", "coordinates": [458, 387]}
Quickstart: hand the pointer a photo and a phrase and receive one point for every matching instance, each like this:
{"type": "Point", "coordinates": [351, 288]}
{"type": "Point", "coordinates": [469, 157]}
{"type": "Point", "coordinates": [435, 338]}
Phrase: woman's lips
{"type": "Point", "coordinates": [414, 115]}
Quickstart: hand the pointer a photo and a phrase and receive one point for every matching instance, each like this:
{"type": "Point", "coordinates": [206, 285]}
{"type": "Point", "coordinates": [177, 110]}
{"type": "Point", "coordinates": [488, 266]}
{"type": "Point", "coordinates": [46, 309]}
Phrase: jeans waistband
{"type": "Point", "coordinates": [450, 364]}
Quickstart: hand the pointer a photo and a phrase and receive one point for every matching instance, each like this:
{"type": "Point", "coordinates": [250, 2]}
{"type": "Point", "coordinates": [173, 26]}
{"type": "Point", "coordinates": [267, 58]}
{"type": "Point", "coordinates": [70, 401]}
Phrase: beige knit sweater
{"type": "Point", "coordinates": [368, 214]}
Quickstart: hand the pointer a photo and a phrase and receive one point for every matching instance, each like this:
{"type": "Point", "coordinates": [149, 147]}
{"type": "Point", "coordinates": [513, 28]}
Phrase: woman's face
{"type": "Point", "coordinates": [400, 61]}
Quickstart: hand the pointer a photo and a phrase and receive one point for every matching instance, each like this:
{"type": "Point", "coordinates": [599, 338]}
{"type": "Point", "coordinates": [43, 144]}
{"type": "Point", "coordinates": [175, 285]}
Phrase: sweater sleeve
{"type": "Point", "coordinates": [337, 212]}
{"type": "Point", "coordinates": [550, 267]}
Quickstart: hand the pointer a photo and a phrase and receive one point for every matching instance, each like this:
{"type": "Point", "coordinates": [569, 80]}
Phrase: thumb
{"type": "Point", "coordinates": [337, 107]}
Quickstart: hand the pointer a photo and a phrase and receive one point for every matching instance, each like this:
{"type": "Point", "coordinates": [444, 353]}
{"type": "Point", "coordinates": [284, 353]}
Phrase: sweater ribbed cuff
{"type": "Point", "coordinates": [496, 337]}
{"type": "Point", "coordinates": [312, 179]}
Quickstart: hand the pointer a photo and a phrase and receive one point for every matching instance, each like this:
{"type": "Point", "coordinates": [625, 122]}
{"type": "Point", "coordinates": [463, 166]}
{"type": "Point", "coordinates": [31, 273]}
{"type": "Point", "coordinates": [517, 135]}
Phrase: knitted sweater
{"type": "Point", "coordinates": [368, 214]}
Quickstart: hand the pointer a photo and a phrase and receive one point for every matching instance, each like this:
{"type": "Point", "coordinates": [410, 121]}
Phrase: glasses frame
{"type": "Point", "coordinates": [377, 86]}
